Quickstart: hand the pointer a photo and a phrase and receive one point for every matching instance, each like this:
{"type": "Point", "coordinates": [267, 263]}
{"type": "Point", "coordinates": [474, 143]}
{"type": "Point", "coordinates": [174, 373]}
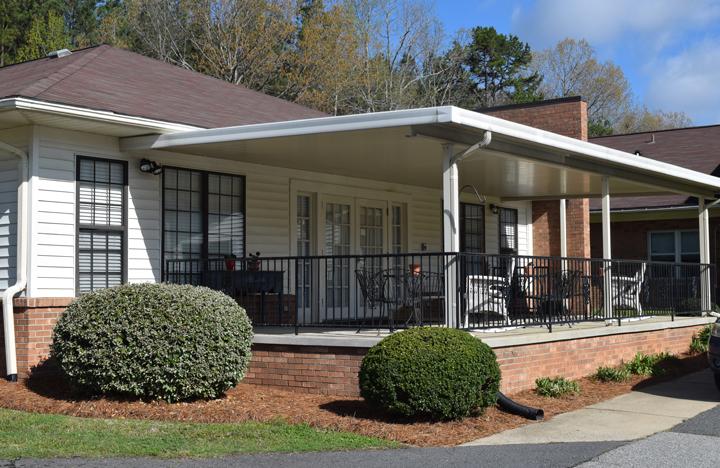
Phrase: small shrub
{"type": "Point", "coordinates": [154, 341]}
{"type": "Point", "coordinates": [700, 340]}
{"type": "Point", "coordinates": [431, 372]}
{"type": "Point", "coordinates": [612, 374]}
{"type": "Point", "coordinates": [556, 387]}
{"type": "Point", "coordinates": [647, 364]}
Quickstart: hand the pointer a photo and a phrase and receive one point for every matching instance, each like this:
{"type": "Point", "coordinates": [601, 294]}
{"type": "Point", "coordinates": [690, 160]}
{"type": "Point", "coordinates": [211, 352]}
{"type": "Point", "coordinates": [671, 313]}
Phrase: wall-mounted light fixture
{"type": "Point", "coordinates": [150, 167]}
{"type": "Point", "coordinates": [494, 208]}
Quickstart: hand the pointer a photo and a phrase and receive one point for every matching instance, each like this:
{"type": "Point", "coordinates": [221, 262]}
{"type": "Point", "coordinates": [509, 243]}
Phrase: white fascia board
{"type": "Point", "coordinates": [374, 120]}
{"type": "Point", "coordinates": [583, 149]}
{"type": "Point", "coordinates": [21, 103]}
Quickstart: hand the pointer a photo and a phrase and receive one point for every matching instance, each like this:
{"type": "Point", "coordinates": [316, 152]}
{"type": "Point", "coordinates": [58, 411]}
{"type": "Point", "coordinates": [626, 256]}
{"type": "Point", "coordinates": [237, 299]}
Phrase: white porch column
{"type": "Point", "coordinates": [704, 232]}
{"type": "Point", "coordinates": [451, 233]}
{"type": "Point", "coordinates": [607, 248]}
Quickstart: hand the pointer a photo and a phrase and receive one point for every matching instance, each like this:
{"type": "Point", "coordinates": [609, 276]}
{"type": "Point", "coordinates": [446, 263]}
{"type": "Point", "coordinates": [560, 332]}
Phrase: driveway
{"type": "Point", "coordinates": [668, 425]}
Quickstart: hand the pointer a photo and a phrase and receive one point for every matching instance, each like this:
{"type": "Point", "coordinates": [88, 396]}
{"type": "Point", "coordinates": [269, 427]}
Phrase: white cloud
{"type": "Point", "coordinates": [604, 22]}
{"type": "Point", "coordinates": [688, 81]}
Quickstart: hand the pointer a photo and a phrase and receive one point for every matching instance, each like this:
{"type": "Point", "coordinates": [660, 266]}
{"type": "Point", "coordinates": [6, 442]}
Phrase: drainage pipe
{"type": "Point", "coordinates": [21, 261]}
{"type": "Point", "coordinates": [513, 407]}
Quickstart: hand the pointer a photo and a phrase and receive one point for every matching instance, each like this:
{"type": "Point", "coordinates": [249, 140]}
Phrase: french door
{"type": "Point", "coordinates": [349, 226]}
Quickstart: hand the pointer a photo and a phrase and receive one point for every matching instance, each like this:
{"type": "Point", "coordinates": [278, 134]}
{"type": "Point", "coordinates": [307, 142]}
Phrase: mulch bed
{"type": "Point", "coordinates": [256, 403]}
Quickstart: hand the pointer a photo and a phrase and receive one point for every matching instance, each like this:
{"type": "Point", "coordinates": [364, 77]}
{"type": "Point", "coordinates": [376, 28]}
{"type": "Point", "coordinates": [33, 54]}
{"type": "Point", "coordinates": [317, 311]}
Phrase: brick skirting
{"type": "Point", "coordinates": [333, 370]}
{"type": "Point", "coordinates": [35, 319]}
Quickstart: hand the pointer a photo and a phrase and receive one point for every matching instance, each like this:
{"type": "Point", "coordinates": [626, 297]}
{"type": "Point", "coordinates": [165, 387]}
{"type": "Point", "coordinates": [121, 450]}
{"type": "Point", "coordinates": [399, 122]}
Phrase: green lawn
{"type": "Point", "coordinates": [47, 435]}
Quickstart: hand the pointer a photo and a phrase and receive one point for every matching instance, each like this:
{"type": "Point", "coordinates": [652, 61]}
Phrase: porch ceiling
{"type": "Point", "coordinates": [406, 147]}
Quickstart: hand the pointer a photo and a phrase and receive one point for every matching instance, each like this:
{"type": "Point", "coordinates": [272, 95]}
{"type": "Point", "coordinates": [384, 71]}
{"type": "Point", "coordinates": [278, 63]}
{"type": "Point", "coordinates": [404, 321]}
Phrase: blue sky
{"type": "Point", "coordinates": [668, 49]}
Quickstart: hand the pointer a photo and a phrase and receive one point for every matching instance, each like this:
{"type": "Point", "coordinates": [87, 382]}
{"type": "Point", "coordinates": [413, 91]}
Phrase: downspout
{"type": "Point", "coordinates": [21, 260]}
{"type": "Point", "coordinates": [458, 158]}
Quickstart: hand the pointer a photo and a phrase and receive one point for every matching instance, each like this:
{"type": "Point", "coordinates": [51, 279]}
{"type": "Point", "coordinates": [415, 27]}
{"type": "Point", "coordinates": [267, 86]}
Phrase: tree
{"type": "Point", "coordinates": [499, 68]}
{"type": "Point", "coordinates": [45, 35]}
{"type": "Point", "coordinates": [16, 18]}
{"type": "Point", "coordinates": [81, 21]}
{"type": "Point", "coordinates": [643, 120]}
{"type": "Point", "coordinates": [571, 68]}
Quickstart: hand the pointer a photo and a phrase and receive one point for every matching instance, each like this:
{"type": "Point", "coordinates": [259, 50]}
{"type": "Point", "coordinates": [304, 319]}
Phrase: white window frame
{"type": "Point", "coordinates": [677, 233]}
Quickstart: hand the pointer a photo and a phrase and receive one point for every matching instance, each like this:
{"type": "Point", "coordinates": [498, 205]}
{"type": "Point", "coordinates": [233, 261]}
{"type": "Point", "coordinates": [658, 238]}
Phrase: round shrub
{"type": "Point", "coordinates": [154, 341]}
{"type": "Point", "coordinates": [441, 373]}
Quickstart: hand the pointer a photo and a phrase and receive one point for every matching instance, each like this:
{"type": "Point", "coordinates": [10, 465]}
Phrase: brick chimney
{"type": "Point", "coordinates": [568, 117]}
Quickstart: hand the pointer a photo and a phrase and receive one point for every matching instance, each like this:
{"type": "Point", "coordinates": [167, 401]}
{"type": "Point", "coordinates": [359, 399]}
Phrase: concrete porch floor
{"type": "Point", "coordinates": [496, 338]}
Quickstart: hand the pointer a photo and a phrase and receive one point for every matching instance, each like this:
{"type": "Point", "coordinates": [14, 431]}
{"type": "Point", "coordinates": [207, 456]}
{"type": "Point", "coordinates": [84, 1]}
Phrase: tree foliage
{"type": "Point", "coordinates": [571, 68]}
{"type": "Point", "coordinates": [339, 56]}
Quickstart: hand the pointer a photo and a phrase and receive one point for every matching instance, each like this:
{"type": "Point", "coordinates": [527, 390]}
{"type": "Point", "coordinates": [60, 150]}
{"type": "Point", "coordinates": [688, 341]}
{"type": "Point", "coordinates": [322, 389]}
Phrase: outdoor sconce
{"type": "Point", "coordinates": [150, 167]}
{"type": "Point", "coordinates": [494, 208]}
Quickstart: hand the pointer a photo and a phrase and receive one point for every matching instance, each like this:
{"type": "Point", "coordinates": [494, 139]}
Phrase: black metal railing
{"type": "Point", "coordinates": [474, 291]}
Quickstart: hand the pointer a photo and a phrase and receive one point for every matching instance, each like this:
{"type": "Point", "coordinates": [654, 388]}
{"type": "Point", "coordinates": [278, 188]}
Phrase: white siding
{"type": "Point", "coordinates": [268, 209]}
{"type": "Point", "coordinates": [9, 179]}
{"type": "Point", "coordinates": [8, 219]}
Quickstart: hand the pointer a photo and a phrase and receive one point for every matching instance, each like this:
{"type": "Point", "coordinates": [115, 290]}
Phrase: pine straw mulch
{"type": "Point", "coordinates": [256, 403]}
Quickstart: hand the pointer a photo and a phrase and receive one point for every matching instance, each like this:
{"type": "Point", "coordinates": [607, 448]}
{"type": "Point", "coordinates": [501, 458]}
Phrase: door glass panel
{"type": "Point", "coordinates": [304, 226]}
{"type": "Point", "coordinates": [337, 242]}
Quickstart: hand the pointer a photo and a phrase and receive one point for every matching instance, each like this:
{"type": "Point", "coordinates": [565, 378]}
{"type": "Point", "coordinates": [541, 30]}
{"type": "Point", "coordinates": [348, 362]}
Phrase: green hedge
{"type": "Point", "coordinates": [155, 341]}
{"type": "Point", "coordinates": [433, 372]}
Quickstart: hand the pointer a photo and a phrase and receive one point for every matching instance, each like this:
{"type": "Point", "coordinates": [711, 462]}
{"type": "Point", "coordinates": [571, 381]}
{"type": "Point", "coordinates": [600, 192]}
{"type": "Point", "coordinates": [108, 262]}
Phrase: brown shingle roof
{"type": "Point", "coordinates": [124, 82]}
{"type": "Point", "coordinates": [696, 148]}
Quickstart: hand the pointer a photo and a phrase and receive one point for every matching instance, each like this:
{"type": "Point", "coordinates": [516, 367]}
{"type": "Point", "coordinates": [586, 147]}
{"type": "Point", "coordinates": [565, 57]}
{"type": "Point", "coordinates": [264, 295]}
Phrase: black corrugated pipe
{"type": "Point", "coordinates": [506, 404]}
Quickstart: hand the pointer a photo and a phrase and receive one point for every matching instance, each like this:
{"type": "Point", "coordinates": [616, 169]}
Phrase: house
{"type": "Point", "coordinates": [330, 231]}
{"type": "Point", "coordinates": [662, 227]}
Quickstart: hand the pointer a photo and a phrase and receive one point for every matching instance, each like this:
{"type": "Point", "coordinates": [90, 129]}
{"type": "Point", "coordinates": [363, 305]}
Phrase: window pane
{"type": "Point", "coordinates": [101, 192]}
{"type": "Point", "coordinates": [689, 242]}
{"type": "Point", "coordinates": [662, 243]}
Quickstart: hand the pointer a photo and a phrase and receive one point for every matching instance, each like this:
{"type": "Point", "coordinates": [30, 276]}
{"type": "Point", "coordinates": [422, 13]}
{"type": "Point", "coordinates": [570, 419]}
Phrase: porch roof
{"type": "Point", "coordinates": [405, 147]}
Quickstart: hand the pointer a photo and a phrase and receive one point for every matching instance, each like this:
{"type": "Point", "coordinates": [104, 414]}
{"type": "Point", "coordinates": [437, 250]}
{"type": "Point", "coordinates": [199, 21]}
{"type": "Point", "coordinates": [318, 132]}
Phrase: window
{"type": "Point", "coordinates": [472, 228]}
{"type": "Point", "coordinates": [674, 246]}
{"type": "Point", "coordinates": [101, 221]}
{"type": "Point", "coordinates": [203, 216]}
{"type": "Point", "coordinates": [508, 222]}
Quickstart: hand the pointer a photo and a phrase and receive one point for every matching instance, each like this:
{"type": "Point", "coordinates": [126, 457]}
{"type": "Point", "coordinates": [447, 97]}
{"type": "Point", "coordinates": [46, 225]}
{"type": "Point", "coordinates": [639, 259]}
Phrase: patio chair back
{"type": "Point", "coordinates": [372, 286]}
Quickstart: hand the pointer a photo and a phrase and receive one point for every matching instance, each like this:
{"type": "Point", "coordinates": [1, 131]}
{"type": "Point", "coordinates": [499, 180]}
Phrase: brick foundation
{"type": "Point", "coordinates": [333, 370]}
{"type": "Point", "coordinates": [34, 322]}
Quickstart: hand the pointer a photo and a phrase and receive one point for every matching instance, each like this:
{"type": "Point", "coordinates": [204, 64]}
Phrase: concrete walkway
{"type": "Point", "coordinates": [631, 416]}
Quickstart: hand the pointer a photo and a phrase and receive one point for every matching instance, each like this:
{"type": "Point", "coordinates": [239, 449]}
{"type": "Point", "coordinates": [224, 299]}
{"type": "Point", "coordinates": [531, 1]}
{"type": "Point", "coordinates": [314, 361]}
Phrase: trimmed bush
{"type": "Point", "coordinates": [154, 341]}
{"type": "Point", "coordinates": [700, 340]}
{"type": "Point", "coordinates": [441, 373]}
{"type": "Point", "coordinates": [556, 387]}
{"type": "Point", "coordinates": [612, 374]}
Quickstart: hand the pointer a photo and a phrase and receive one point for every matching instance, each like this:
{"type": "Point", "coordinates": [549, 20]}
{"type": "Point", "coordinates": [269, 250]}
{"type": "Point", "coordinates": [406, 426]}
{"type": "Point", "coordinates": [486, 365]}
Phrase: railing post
{"type": "Point", "coordinates": [607, 249]}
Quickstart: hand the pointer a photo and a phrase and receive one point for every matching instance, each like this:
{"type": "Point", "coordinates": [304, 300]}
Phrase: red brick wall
{"type": "Point", "coordinates": [34, 322]}
{"type": "Point", "coordinates": [573, 359]}
{"type": "Point", "coordinates": [307, 369]}
{"type": "Point", "coordinates": [334, 370]}
{"type": "Point", "coordinates": [566, 117]}
{"type": "Point", "coordinates": [630, 238]}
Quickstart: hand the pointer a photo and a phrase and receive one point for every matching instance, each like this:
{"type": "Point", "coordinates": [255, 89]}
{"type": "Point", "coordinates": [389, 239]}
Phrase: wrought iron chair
{"type": "Point", "coordinates": [489, 293]}
{"type": "Point", "coordinates": [373, 287]}
{"type": "Point", "coordinates": [626, 290]}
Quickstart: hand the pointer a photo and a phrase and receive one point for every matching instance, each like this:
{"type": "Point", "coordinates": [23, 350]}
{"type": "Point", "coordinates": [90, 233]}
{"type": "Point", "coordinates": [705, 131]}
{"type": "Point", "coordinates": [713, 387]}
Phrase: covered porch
{"type": "Point", "coordinates": [369, 278]}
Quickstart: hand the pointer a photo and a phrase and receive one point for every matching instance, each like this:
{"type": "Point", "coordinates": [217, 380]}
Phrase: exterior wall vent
{"type": "Point", "coordinates": [59, 53]}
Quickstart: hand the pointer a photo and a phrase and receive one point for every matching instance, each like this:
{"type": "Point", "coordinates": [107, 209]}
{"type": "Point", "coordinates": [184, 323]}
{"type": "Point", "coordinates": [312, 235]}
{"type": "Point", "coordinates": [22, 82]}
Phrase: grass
{"type": "Point", "coordinates": [48, 435]}
{"type": "Point", "coordinates": [556, 387]}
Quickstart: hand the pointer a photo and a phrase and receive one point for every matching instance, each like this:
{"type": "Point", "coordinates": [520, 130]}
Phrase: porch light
{"type": "Point", "coordinates": [494, 208]}
{"type": "Point", "coordinates": [150, 167]}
